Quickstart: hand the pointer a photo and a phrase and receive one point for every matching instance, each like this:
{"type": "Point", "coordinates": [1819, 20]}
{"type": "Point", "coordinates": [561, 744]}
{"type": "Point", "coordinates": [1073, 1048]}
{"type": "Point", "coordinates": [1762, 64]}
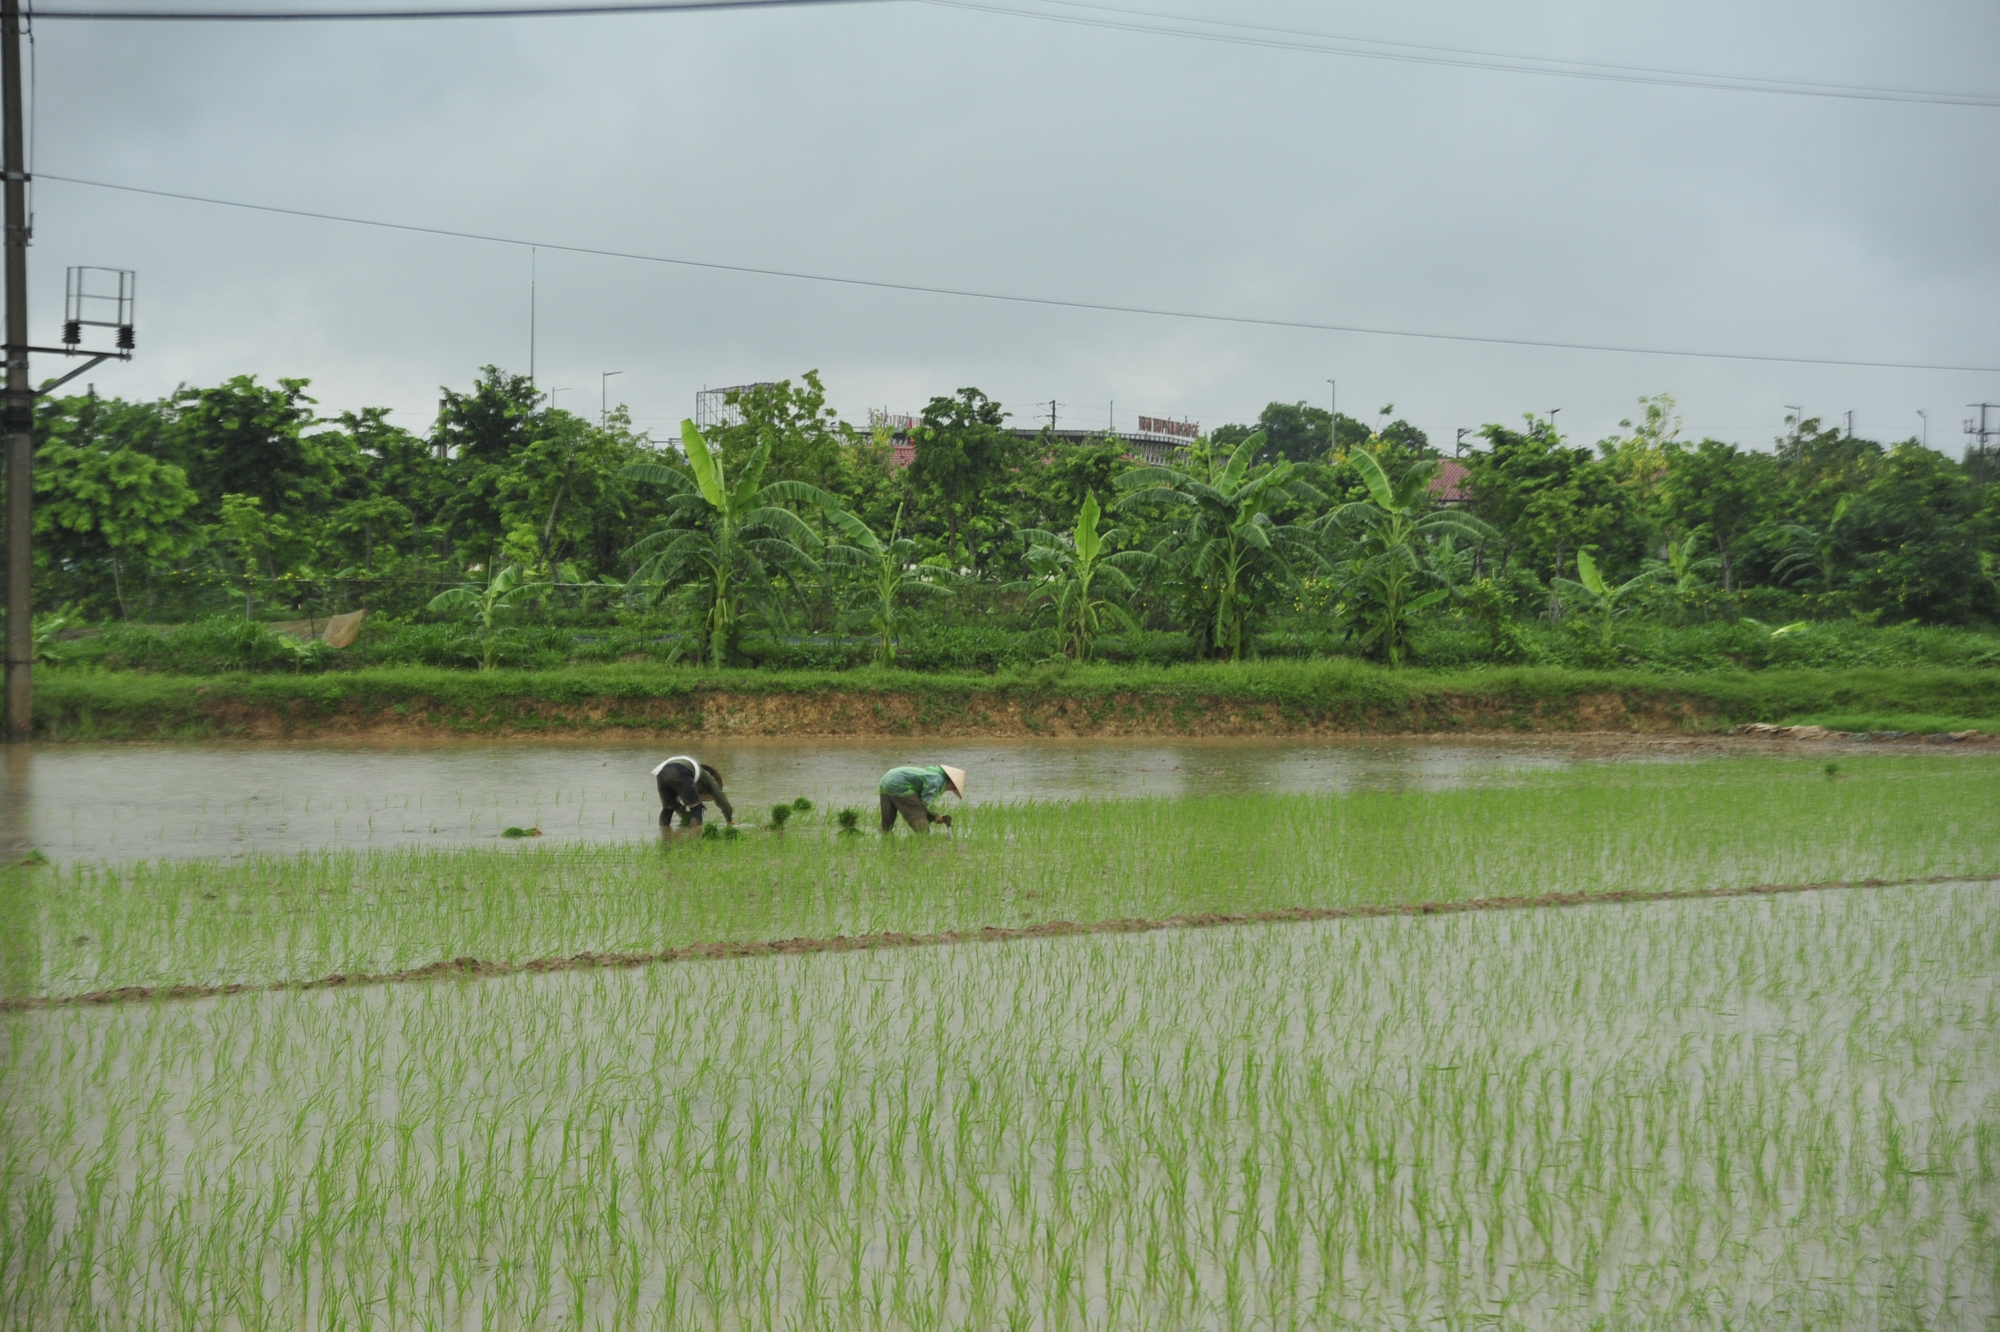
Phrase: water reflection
{"type": "Point", "coordinates": [17, 762]}
{"type": "Point", "coordinates": [125, 801]}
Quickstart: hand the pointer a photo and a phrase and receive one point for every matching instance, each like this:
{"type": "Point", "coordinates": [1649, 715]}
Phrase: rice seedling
{"type": "Point", "coordinates": [1635, 827]}
{"type": "Point", "coordinates": [1754, 1112]}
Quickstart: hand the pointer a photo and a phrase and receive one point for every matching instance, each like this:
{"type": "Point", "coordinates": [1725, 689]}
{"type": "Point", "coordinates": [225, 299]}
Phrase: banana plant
{"type": "Point", "coordinates": [506, 588]}
{"type": "Point", "coordinates": [1813, 551]}
{"type": "Point", "coordinates": [1392, 541]}
{"type": "Point", "coordinates": [727, 536]}
{"type": "Point", "coordinates": [1067, 574]}
{"type": "Point", "coordinates": [1225, 539]}
{"type": "Point", "coordinates": [1608, 599]}
{"type": "Point", "coordinates": [890, 574]}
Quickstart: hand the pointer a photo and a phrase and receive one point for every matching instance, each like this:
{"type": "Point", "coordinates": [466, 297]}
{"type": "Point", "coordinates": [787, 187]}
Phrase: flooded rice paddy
{"type": "Point", "coordinates": [1735, 1112]}
{"type": "Point", "coordinates": [103, 802]}
{"type": "Point", "coordinates": [1773, 1113]}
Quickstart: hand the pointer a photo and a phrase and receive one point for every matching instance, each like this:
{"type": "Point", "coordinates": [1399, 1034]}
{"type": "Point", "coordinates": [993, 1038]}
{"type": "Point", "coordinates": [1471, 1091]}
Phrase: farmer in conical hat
{"type": "Point", "coordinates": [683, 782]}
{"type": "Point", "coordinates": [910, 791]}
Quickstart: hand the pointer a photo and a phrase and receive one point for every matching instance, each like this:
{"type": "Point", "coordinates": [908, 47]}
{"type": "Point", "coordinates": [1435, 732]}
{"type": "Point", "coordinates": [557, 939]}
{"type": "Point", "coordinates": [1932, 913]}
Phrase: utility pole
{"type": "Point", "coordinates": [1850, 423]}
{"type": "Point", "coordinates": [1332, 419]}
{"type": "Point", "coordinates": [20, 402]}
{"type": "Point", "coordinates": [1052, 413]}
{"type": "Point", "coordinates": [1980, 429]}
{"type": "Point", "coordinates": [1458, 448]}
{"type": "Point", "coordinates": [1925, 417]}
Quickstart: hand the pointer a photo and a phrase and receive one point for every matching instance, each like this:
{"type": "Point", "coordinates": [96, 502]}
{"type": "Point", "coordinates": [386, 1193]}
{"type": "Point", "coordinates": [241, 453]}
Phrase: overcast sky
{"type": "Point", "coordinates": [914, 142]}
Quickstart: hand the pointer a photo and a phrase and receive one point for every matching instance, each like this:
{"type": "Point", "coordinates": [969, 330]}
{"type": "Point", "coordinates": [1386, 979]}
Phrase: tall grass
{"type": "Point", "coordinates": [1770, 1113]}
{"type": "Point", "coordinates": [1592, 829]}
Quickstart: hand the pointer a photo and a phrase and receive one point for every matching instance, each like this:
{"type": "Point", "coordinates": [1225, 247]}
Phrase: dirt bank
{"type": "Point", "coordinates": [997, 715]}
{"type": "Point", "coordinates": [1252, 699]}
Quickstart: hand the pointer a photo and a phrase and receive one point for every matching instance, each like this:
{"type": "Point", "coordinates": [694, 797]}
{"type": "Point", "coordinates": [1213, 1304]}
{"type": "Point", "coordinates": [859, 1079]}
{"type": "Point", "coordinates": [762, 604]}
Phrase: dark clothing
{"type": "Point", "coordinates": [681, 793]}
{"type": "Point", "coordinates": [910, 807]}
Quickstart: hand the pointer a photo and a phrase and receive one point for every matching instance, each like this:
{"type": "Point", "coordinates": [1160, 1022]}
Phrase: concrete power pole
{"type": "Point", "coordinates": [1982, 431]}
{"type": "Point", "coordinates": [20, 402]}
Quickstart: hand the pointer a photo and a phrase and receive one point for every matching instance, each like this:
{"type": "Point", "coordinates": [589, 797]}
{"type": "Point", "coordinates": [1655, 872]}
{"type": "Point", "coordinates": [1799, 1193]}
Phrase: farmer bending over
{"type": "Point", "coordinates": [683, 782]}
{"type": "Point", "coordinates": [909, 792]}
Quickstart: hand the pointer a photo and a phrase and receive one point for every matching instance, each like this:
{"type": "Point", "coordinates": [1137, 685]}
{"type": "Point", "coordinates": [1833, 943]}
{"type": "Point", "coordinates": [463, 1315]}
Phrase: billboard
{"type": "Point", "coordinates": [1184, 431]}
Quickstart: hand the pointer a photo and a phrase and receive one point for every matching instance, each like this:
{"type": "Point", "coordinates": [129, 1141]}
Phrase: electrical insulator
{"type": "Point", "coordinates": [72, 332]}
{"type": "Point", "coordinates": [125, 339]}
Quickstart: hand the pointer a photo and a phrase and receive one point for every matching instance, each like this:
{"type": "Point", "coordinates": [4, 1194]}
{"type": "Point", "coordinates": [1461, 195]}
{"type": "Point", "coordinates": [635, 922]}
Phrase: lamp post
{"type": "Point", "coordinates": [1924, 416]}
{"type": "Point", "coordinates": [1333, 419]}
{"type": "Point", "coordinates": [603, 398]}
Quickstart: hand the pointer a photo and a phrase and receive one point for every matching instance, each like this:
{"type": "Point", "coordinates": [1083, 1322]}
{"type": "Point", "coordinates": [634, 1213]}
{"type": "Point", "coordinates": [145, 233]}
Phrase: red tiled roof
{"type": "Point", "coordinates": [1449, 484]}
{"type": "Point", "coordinates": [902, 455]}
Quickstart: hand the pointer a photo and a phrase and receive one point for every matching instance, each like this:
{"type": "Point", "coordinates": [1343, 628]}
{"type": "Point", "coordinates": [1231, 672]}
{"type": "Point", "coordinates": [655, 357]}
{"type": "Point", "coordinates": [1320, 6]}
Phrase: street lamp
{"type": "Point", "coordinates": [1925, 417]}
{"type": "Point", "coordinates": [604, 401]}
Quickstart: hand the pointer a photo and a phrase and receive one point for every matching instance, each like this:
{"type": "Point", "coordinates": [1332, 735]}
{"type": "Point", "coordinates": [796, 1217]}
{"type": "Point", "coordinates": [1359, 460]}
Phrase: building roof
{"type": "Point", "coordinates": [1449, 485]}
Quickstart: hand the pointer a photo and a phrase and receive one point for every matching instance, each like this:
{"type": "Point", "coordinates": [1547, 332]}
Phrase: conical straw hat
{"type": "Point", "coordinates": [955, 777]}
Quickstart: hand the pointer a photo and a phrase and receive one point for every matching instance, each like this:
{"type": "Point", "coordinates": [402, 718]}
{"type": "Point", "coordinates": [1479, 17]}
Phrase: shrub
{"type": "Point", "coordinates": [211, 646]}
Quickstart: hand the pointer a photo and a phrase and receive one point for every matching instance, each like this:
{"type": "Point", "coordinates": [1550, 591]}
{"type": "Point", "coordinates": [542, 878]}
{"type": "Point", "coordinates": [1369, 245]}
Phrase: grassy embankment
{"type": "Point", "coordinates": [1600, 828]}
{"type": "Point", "coordinates": [1268, 697]}
{"type": "Point", "coordinates": [1766, 1112]}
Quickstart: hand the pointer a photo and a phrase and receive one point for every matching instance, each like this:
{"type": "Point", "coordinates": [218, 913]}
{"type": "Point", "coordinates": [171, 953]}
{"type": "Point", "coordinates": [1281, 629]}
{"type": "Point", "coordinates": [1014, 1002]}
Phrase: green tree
{"type": "Point", "coordinates": [965, 455]}
{"type": "Point", "coordinates": [398, 495]}
{"type": "Point", "coordinates": [101, 498]}
{"type": "Point", "coordinates": [728, 536]}
{"type": "Point", "coordinates": [806, 438]}
{"type": "Point", "coordinates": [1911, 540]}
{"type": "Point", "coordinates": [1228, 544]}
{"type": "Point", "coordinates": [1718, 489]}
{"type": "Point", "coordinates": [243, 438]}
{"type": "Point", "coordinates": [1297, 432]}
{"type": "Point", "coordinates": [1639, 459]}
{"type": "Point", "coordinates": [259, 540]}
{"type": "Point", "coordinates": [1058, 477]}
{"type": "Point", "coordinates": [1546, 499]}
{"type": "Point", "coordinates": [483, 434]}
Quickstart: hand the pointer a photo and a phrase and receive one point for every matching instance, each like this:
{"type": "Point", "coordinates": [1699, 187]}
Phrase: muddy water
{"type": "Point", "coordinates": [88, 802]}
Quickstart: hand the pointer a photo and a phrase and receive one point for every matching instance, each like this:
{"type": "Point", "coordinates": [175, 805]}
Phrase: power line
{"type": "Point", "coordinates": [1115, 18]}
{"type": "Point", "coordinates": [362, 15]}
{"type": "Point", "coordinates": [1054, 302]}
{"type": "Point", "coordinates": [1323, 43]}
